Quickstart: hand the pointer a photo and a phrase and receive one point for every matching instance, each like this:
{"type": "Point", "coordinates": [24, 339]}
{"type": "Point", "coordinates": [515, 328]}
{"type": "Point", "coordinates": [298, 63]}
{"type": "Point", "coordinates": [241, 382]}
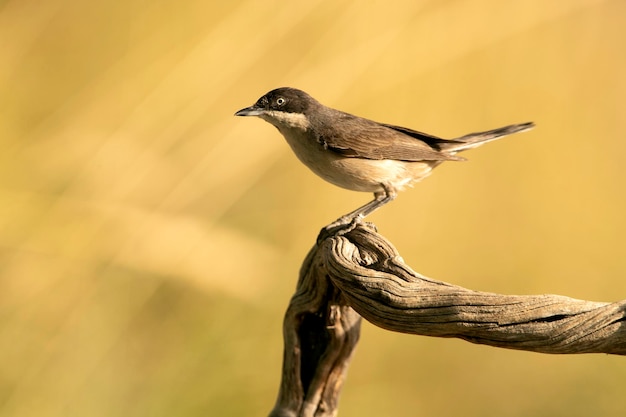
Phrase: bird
{"type": "Point", "coordinates": [360, 154]}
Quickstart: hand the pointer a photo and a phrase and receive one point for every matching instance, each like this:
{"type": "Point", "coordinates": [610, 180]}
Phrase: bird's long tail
{"type": "Point", "coordinates": [474, 140]}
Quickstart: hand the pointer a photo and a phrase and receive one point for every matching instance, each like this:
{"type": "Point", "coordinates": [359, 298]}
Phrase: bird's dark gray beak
{"type": "Point", "coordinates": [250, 111]}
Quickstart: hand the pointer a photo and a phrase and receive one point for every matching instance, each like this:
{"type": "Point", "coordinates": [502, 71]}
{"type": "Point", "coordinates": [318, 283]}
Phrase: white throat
{"type": "Point", "coordinates": [293, 120]}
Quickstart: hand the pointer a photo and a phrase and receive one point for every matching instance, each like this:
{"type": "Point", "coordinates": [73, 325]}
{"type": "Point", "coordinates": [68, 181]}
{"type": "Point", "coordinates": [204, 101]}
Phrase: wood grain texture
{"type": "Point", "coordinates": [360, 274]}
{"type": "Point", "coordinates": [320, 332]}
{"type": "Point", "coordinates": [380, 287]}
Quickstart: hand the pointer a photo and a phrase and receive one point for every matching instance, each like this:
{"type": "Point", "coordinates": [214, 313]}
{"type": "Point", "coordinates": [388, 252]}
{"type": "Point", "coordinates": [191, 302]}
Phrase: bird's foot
{"type": "Point", "coordinates": [340, 227]}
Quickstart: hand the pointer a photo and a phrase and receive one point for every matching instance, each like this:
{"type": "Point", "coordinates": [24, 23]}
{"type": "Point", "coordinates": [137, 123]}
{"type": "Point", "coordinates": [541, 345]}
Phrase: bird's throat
{"type": "Point", "coordinates": [292, 120]}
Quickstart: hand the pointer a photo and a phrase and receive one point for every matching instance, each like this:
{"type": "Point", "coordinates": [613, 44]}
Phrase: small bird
{"type": "Point", "coordinates": [357, 153]}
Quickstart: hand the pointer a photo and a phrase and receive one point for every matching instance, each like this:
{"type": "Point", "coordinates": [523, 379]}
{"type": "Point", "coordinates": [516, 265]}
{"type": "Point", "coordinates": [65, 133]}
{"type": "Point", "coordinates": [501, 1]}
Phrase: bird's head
{"type": "Point", "coordinates": [283, 107]}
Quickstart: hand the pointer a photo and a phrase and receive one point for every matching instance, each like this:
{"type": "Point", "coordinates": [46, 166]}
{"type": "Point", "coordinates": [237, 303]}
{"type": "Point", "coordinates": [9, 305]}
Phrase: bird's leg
{"type": "Point", "coordinates": [380, 199]}
{"type": "Point", "coordinates": [349, 221]}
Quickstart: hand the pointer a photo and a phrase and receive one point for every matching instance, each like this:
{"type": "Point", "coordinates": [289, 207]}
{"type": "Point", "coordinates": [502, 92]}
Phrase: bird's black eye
{"type": "Point", "coordinates": [280, 101]}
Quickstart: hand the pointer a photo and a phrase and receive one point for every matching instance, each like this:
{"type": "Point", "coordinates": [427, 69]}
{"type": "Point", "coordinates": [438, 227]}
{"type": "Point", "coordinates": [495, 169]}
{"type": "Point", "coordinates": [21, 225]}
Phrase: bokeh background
{"type": "Point", "coordinates": [150, 241]}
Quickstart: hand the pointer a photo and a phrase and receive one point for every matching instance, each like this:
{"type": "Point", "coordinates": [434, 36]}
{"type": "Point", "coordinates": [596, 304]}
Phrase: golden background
{"type": "Point", "coordinates": [150, 241]}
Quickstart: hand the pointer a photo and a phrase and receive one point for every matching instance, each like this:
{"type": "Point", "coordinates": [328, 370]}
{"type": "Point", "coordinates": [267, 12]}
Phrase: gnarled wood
{"type": "Point", "coordinates": [320, 332]}
{"type": "Point", "coordinates": [361, 272]}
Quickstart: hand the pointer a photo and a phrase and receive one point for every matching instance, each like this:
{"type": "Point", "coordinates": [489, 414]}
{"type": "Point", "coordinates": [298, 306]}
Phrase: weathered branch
{"type": "Point", "coordinates": [361, 271]}
{"type": "Point", "coordinates": [320, 332]}
{"type": "Point", "coordinates": [379, 286]}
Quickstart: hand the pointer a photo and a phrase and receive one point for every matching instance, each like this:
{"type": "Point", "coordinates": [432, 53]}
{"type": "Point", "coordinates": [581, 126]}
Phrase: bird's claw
{"type": "Point", "coordinates": [339, 228]}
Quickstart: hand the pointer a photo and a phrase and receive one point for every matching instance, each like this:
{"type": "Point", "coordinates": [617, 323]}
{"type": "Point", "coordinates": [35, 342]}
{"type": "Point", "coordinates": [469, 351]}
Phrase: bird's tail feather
{"type": "Point", "coordinates": [474, 140]}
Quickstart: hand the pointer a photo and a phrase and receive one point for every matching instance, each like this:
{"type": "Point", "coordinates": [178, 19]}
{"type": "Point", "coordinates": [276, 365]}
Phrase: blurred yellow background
{"type": "Point", "coordinates": [150, 241]}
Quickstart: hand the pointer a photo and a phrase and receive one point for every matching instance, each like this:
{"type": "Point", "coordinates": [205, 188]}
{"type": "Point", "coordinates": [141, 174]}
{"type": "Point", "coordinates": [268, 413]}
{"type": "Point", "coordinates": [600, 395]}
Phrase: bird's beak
{"type": "Point", "coordinates": [250, 111]}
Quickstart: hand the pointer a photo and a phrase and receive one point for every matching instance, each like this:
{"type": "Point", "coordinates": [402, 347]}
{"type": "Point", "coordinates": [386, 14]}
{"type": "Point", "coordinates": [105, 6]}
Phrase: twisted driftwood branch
{"type": "Point", "coordinates": [361, 272]}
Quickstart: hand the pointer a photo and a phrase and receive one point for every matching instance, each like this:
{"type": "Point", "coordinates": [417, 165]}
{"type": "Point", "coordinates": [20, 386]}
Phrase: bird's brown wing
{"type": "Point", "coordinates": [433, 141]}
{"type": "Point", "coordinates": [363, 138]}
